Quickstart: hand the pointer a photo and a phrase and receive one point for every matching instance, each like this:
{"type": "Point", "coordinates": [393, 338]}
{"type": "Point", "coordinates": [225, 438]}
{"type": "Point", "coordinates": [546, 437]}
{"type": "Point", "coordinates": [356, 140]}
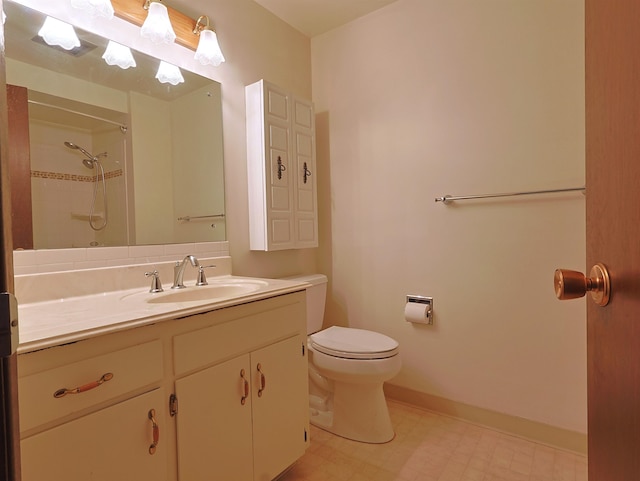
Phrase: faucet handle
{"type": "Point", "coordinates": [202, 279]}
{"type": "Point", "coordinates": [156, 284]}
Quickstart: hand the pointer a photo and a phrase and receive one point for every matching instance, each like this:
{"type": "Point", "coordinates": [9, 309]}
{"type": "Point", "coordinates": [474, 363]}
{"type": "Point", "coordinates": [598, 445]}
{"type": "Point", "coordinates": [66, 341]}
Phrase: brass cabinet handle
{"type": "Point", "coordinates": [85, 387]}
{"type": "Point", "coordinates": [306, 173]}
{"type": "Point", "coordinates": [263, 380]}
{"type": "Point", "coordinates": [573, 284]}
{"type": "Point", "coordinates": [156, 431]}
{"type": "Point", "coordinates": [281, 168]}
{"type": "Point", "coordinates": [245, 387]}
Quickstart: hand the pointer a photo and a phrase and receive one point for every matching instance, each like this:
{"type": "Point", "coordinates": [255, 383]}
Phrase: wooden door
{"type": "Point", "coordinates": [613, 236]}
{"type": "Point", "coordinates": [9, 425]}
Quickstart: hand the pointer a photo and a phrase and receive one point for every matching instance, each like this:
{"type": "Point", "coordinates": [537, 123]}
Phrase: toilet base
{"type": "Point", "coordinates": [359, 413]}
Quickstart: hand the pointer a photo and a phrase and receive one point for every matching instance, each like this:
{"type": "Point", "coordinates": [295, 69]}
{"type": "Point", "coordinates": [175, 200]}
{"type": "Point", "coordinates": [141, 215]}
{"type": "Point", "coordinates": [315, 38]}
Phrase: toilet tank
{"type": "Point", "coordinates": [316, 296]}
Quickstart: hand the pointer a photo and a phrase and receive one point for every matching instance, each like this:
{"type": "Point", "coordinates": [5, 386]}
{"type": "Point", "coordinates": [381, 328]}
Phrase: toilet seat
{"type": "Point", "coordinates": [350, 343]}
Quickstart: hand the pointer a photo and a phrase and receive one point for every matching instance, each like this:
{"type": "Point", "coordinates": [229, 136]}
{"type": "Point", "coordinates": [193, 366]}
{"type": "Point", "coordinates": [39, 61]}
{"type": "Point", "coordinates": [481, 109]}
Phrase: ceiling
{"type": "Point", "coordinates": [314, 17]}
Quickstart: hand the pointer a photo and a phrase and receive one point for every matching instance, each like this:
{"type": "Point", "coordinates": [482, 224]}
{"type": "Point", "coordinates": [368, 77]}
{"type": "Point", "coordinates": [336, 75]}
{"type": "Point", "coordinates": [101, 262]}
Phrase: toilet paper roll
{"type": "Point", "coordinates": [417, 312]}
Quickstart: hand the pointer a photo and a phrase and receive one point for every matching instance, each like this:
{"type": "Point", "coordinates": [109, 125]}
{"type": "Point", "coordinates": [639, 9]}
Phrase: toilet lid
{"type": "Point", "coordinates": [352, 343]}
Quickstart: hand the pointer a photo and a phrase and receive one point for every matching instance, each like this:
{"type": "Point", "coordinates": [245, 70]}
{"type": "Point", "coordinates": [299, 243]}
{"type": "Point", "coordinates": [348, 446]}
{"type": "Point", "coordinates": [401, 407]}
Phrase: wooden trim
{"type": "Point", "coordinates": [525, 428]}
{"type": "Point", "coordinates": [183, 25]}
{"type": "Point", "coordinates": [20, 167]}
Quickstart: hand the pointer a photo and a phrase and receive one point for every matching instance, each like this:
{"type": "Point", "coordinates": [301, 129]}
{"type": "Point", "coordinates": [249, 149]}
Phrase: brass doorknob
{"type": "Point", "coordinates": [574, 284]}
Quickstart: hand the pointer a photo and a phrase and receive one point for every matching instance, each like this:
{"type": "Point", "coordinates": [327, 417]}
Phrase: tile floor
{"type": "Point", "coordinates": [432, 447]}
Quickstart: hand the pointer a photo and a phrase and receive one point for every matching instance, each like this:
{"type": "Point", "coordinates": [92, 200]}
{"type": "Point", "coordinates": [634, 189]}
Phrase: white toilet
{"type": "Point", "coordinates": [347, 368]}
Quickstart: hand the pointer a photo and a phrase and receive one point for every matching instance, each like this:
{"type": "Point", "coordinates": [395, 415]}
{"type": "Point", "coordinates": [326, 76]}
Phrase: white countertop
{"type": "Point", "coordinates": [53, 322]}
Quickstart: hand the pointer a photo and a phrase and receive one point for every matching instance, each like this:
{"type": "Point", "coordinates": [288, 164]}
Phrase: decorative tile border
{"type": "Point", "coordinates": [74, 177]}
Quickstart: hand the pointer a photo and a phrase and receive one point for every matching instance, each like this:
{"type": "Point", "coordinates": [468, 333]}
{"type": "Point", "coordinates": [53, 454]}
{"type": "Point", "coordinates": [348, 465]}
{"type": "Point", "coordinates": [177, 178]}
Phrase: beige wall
{"type": "Point", "coordinates": [425, 98]}
{"type": "Point", "coordinates": [256, 45]}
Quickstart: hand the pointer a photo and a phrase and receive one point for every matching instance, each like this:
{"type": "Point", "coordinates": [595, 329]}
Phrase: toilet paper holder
{"type": "Point", "coordinates": [428, 301]}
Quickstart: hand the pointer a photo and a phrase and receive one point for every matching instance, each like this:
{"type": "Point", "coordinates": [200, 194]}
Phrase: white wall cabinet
{"type": "Point", "coordinates": [281, 169]}
{"type": "Point", "coordinates": [103, 430]}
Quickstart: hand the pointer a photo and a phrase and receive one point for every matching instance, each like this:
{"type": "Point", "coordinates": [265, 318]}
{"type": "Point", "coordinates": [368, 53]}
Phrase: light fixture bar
{"type": "Point", "coordinates": [133, 11]}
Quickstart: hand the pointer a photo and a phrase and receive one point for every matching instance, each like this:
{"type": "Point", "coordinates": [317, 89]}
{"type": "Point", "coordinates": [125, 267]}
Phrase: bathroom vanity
{"type": "Point", "coordinates": [190, 387]}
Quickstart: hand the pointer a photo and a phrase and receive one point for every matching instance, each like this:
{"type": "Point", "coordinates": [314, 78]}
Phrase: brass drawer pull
{"type": "Point", "coordinates": [86, 387]}
{"type": "Point", "coordinates": [156, 431]}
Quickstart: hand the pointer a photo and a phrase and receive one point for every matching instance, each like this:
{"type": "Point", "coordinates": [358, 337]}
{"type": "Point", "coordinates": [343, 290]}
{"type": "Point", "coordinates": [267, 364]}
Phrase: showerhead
{"type": "Point", "coordinates": [90, 161]}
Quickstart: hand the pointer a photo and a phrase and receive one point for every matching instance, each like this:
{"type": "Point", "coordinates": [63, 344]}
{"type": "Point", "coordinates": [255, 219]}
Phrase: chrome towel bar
{"type": "Point", "coordinates": [187, 218]}
{"type": "Point", "coordinates": [450, 198]}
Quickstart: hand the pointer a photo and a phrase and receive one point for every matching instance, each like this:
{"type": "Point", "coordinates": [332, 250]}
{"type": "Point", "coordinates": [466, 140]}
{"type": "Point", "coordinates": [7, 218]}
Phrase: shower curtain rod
{"type": "Point", "coordinates": [43, 104]}
{"type": "Point", "coordinates": [450, 198]}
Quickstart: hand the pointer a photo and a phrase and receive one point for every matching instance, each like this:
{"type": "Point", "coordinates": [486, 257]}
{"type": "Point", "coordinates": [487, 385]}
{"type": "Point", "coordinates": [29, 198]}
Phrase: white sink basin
{"type": "Point", "coordinates": [203, 293]}
{"type": "Point", "coordinates": [215, 291]}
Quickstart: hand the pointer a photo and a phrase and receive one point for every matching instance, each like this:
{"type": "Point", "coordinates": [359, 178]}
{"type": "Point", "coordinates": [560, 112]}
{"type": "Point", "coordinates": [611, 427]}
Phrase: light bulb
{"type": "Point", "coordinates": [57, 32]}
{"type": "Point", "coordinates": [168, 73]}
{"type": "Point", "coordinates": [119, 55]}
{"type": "Point", "coordinates": [208, 51]}
{"type": "Point", "coordinates": [157, 26]}
{"type": "Point", "coordinates": [97, 8]}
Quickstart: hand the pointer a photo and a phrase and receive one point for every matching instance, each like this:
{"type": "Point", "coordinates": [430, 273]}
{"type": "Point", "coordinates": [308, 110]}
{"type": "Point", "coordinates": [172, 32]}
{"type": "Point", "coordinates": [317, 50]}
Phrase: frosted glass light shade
{"type": "Point", "coordinates": [169, 74]}
{"type": "Point", "coordinates": [57, 32]}
{"type": "Point", "coordinates": [208, 51]}
{"type": "Point", "coordinates": [97, 8]}
{"type": "Point", "coordinates": [119, 55]}
{"type": "Point", "coordinates": [157, 26]}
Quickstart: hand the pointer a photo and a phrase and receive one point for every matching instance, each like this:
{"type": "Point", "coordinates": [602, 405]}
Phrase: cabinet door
{"type": "Point", "coordinates": [304, 156]}
{"type": "Point", "coordinates": [110, 444]}
{"type": "Point", "coordinates": [281, 174]}
{"type": "Point", "coordinates": [280, 406]}
{"type": "Point", "coordinates": [214, 424]}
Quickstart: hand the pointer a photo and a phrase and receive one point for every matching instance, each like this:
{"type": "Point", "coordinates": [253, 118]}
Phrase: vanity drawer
{"type": "Point", "coordinates": [198, 349]}
{"type": "Point", "coordinates": [123, 371]}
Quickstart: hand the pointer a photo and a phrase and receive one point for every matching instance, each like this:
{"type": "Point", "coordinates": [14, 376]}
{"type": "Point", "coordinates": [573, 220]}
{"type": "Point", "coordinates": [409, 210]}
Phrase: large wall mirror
{"type": "Point", "coordinates": [104, 156]}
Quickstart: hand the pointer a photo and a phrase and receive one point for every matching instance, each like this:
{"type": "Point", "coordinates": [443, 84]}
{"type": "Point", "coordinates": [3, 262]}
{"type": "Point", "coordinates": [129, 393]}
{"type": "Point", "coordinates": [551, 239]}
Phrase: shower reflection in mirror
{"type": "Point", "coordinates": [73, 206]}
{"type": "Point", "coordinates": [93, 162]}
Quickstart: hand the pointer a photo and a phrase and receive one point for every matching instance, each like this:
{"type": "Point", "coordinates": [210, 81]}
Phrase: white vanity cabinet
{"type": "Point", "coordinates": [281, 169]}
{"type": "Point", "coordinates": [243, 418]}
{"type": "Point", "coordinates": [165, 401]}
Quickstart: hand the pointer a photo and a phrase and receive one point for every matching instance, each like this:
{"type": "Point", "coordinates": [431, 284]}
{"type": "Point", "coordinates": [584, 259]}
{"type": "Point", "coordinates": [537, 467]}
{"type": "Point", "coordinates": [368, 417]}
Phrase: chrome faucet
{"type": "Point", "coordinates": [178, 271]}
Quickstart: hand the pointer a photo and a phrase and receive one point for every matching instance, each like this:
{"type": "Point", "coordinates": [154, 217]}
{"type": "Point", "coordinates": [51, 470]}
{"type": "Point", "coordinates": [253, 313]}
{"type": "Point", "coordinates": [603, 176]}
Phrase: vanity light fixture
{"type": "Point", "coordinates": [169, 74]}
{"type": "Point", "coordinates": [59, 33]}
{"type": "Point", "coordinates": [208, 51]}
{"type": "Point", "coordinates": [97, 8]}
{"type": "Point", "coordinates": [157, 26]}
{"type": "Point", "coordinates": [119, 55]}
